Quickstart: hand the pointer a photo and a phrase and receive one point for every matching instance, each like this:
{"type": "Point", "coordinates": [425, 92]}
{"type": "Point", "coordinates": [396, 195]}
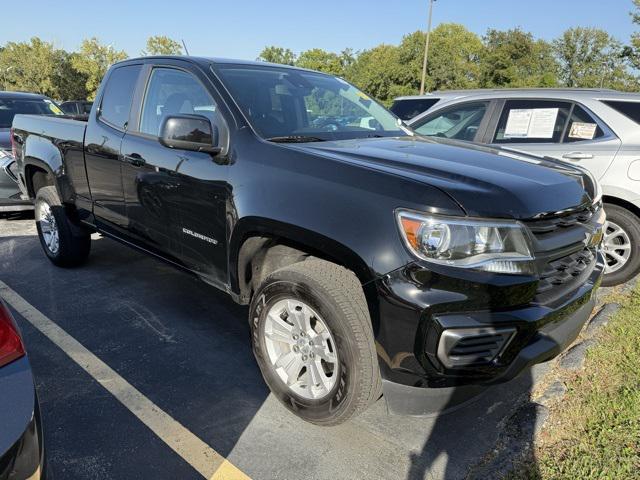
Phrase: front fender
{"type": "Point", "coordinates": [309, 240]}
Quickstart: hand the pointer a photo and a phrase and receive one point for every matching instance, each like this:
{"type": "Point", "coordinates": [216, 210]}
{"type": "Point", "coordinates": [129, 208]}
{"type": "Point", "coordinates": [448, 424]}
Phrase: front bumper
{"type": "Point", "coordinates": [418, 305]}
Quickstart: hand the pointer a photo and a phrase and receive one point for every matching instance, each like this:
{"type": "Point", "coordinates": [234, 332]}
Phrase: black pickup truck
{"type": "Point", "coordinates": [373, 261]}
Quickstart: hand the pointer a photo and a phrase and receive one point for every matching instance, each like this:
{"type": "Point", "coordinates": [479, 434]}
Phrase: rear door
{"type": "Point", "coordinates": [560, 129]}
{"type": "Point", "coordinates": [103, 139]}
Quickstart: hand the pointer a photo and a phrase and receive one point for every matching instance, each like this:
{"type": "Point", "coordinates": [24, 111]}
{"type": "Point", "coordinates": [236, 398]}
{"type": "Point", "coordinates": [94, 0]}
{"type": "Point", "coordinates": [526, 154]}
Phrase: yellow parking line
{"type": "Point", "coordinates": [209, 463]}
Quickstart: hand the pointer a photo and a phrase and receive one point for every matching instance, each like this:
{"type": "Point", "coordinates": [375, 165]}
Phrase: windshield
{"type": "Point", "coordinates": [287, 104]}
{"type": "Point", "coordinates": [10, 107]}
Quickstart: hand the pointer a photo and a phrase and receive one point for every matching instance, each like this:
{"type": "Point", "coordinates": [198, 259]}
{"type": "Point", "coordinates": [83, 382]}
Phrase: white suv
{"type": "Point", "coordinates": [594, 128]}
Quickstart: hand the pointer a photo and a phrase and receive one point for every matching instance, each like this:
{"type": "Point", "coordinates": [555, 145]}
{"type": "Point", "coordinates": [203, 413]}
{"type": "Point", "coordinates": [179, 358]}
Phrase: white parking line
{"type": "Point", "coordinates": [209, 463]}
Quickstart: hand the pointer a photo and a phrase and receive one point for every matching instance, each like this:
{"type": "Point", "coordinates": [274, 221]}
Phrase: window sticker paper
{"type": "Point", "coordinates": [518, 122]}
{"type": "Point", "coordinates": [543, 121]}
{"type": "Point", "coordinates": [531, 123]}
{"type": "Point", "coordinates": [582, 130]}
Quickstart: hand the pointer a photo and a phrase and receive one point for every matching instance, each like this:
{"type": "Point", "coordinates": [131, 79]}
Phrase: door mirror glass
{"type": "Point", "coordinates": [189, 132]}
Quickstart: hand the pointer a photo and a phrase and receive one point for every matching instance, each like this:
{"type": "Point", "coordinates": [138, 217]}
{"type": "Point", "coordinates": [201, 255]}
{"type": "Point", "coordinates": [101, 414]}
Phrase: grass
{"type": "Point", "coordinates": [593, 432]}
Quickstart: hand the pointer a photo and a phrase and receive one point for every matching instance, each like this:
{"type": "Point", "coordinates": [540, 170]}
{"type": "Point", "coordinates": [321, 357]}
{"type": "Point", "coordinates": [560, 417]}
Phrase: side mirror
{"type": "Point", "coordinates": [189, 132]}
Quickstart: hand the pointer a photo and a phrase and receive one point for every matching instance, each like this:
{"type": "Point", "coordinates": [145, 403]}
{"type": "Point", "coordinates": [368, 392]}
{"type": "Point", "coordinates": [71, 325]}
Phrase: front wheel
{"type": "Point", "coordinates": [313, 341]}
{"type": "Point", "coordinates": [621, 245]}
{"type": "Point", "coordinates": [65, 243]}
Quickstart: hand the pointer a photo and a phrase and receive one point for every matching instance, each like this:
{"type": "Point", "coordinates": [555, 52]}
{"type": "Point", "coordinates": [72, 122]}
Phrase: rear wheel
{"type": "Point", "coordinates": [64, 242]}
{"type": "Point", "coordinates": [621, 245]}
{"type": "Point", "coordinates": [313, 341]}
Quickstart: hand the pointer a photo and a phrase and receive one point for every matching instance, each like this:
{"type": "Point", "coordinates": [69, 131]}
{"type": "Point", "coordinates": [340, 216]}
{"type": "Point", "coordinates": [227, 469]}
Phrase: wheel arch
{"type": "Point", "coordinates": [41, 154]}
{"type": "Point", "coordinates": [622, 203]}
{"type": "Point", "coordinates": [252, 236]}
{"type": "Point", "coordinates": [33, 167]}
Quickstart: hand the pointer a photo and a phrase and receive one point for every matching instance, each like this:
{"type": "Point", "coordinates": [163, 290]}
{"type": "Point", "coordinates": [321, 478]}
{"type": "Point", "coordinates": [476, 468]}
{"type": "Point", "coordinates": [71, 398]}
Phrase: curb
{"type": "Point", "coordinates": [514, 442]}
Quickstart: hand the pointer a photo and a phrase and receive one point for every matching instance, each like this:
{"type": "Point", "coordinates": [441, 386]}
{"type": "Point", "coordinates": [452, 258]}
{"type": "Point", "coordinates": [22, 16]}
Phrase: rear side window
{"type": "Point", "coordinates": [582, 126]}
{"type": "Point", "coordinates": [117, 96]}
{"type": "Point", "coordinates": [629, 109]}
{"type": "Point", "coordinates": [409, 108]}
{"type": "Point", "coordinates": [532, 121]}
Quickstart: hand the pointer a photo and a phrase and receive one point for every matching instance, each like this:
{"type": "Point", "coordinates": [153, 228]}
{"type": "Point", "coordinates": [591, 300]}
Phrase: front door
{"type": "Point", "coordinates": [175, 199]}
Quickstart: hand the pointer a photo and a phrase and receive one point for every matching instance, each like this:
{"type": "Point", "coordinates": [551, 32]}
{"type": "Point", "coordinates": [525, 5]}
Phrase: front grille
{"type": "Point", "coordinates": [563, 274]}
{"type": "Point", "coordinates": [564, 221]}
{"type": "Point", "coordinates": [472, 346]}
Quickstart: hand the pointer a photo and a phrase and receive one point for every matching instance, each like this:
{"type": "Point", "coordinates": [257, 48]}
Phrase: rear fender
{"type": "Point", "coordinates": [41, 154]}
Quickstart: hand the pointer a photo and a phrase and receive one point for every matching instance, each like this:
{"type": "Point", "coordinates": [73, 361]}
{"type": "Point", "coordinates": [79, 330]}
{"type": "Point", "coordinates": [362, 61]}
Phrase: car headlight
{"type": "Point", "coordinates": [489, 245]}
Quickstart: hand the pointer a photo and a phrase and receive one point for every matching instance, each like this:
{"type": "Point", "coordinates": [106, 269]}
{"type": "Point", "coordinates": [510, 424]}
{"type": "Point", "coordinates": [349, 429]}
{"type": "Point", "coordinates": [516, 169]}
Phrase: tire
{"type": "Point", "coordinates": [617, 242]}
{"type": "Point", "coordinates": [64, 242]}
{"type": "Point", "coordinates": [333, 298]}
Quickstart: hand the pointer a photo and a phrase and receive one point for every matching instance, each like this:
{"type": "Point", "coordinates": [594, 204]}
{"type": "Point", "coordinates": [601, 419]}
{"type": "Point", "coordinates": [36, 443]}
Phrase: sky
{"type": "Point", "coordinates": [242, 28]}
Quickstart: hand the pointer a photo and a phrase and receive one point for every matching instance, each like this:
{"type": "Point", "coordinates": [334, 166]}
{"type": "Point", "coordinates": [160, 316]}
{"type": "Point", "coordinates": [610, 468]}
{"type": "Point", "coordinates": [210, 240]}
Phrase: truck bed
{"type": "Point", "coordinates": [56, 128]}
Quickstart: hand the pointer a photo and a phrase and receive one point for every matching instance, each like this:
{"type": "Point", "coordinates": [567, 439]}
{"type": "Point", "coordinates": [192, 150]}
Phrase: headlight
{"type": "Point", "coordinates": [489, 245]}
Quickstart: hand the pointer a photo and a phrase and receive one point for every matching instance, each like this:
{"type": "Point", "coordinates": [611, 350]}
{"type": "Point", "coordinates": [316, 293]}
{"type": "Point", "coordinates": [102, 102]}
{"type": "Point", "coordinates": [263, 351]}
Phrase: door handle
{"type": "Point", "coordinates": [135, 160]}
{"type": "Point", "coordinates": [577, 156]}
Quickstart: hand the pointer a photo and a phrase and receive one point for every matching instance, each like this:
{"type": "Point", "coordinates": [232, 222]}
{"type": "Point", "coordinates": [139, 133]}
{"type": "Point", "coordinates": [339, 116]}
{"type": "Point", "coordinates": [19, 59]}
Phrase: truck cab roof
{"type": "Point", "coordinates": [206, 61]}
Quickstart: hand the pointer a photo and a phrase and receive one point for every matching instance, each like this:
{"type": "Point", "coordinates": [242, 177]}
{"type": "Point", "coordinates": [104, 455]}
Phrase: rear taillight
{"type": "Point", "coordinates": [14, 149]}
{"type": "Point", "coordinates": [11, 347]}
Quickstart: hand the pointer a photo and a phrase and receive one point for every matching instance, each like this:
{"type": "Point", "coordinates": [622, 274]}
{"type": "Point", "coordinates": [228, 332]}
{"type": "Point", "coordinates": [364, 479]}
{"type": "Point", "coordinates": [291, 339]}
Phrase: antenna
{"type": "Point", "coordinates": [185, 46]}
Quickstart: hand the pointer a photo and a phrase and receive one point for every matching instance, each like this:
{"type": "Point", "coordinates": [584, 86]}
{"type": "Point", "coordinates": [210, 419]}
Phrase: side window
{"type": "Point", "coordinates": [582, 126]}
{"type": "Point", "coordinates": [532, 121]}
{"type": "Point", "coordinates": [118, 92]}
{"type": "Point", "coordinates": [460, 122]}
{"type": "Point", "coordinates": [174, 92]}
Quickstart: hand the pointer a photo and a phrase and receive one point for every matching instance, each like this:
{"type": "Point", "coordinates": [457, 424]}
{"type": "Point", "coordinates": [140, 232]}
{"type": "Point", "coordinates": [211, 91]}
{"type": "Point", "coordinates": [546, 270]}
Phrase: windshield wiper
{"type": "Point", "coordinates": [295, 139]}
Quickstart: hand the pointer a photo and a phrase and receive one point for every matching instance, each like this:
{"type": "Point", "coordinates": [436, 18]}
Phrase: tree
{"type": "Point", "coordinates": [590, 57]}
{"type": "Point", "coordinates": [454, 56]}
{"type": "Point", "coordinates": [321, 60]}
{"type": "Point", "coordinates": [93, 60]}
{"type": "Point", "coordinates": [161, 45]}
{"type": "Point", "coordinates": [632, 52]}
{"type": "Point", "coordinates": [513, 58]}
{"type": "Point", "coordinates": [275, 54]}
{"type": "Point", "coordinates": [37, 66]}
{"type": "Point", "coordinates": [72, 85]}
{"type": "Point", "coordinates": [378, 72]}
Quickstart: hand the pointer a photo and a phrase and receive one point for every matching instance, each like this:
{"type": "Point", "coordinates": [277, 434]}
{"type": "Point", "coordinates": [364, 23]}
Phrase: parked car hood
{"type": "Point", "coordinates": [485, 182]}
{"type": "Point", "coordinates": [5, 139]}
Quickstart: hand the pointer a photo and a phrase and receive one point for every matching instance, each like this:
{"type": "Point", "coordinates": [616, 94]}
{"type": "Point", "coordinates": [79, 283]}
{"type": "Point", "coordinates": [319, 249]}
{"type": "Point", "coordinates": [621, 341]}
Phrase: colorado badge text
{"type": "Point", "coordinates": [199, 236]}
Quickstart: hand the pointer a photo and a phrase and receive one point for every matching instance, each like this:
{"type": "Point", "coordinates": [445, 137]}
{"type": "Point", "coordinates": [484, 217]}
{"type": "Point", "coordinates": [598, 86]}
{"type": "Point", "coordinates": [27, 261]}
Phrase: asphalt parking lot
{"type": "Point", "coordinates": [185, 347]}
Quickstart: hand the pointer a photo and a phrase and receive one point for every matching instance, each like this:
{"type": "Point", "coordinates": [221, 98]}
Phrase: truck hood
{"type": "Point", "coordinates": [5, 140]}
{"type": "Point", "coordinates": [485, 182]}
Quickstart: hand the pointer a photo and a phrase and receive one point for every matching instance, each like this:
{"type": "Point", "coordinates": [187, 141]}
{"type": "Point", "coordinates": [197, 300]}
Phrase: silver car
{"type": "Point", "coordinates": [12, 103]}
{"type": "Point", "coordinates": [595, 128]}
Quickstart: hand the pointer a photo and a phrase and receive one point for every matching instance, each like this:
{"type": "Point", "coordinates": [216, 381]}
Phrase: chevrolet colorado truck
{"type": "Point", "coordinates": [373, 261]}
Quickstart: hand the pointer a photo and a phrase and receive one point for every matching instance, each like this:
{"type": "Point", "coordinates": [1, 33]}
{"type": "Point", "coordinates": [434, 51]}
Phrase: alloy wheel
{"type": "Point", "coordinates": [617, 247]}
{"type": "Point", "coordinates": [301, 349]}
{"type": "Point", "coordinates": [49, 228]}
